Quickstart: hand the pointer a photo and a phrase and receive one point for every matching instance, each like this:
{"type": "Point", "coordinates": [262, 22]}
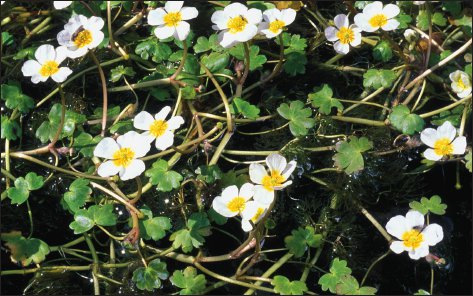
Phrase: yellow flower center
{"type": "Point", "coordinates": [158, 128]}
{"type": "Point", "coordinates": [123, 157]}
{"type": "Point", "coordinates": [237, 204]}
{"type": "Point", "coordinates": [460, 84]}
{"type": "Point", "coordinates": [276, 25]}
{"type": "Point", "coordinates": [412, 238]}
{"type": "Point", "coordinates": [83, 38]}
{"type": "Point", "coordinates": [49, 68]}
{"type": "Point", "coordinates": [346, 35]}
{"type": "Point", "coordinates": [443, 147]}
{"type": "Point", "coordinates": [258, 214]}
{"type": "Point", "coordinates": [172, 19]}
{"type": "Point", "coordinates": [236, 24]}
{"type": "Point", "coordinates": [378, 20]}
{"type": "Point", "coordinates": [269, 182]}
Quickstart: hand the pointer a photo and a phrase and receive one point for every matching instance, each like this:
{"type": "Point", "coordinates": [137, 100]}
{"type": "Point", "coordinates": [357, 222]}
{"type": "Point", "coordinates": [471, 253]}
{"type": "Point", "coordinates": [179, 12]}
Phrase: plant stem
{"type": "Point", "coordinates": [182, 63]}
{"type": "Point", "coordinates": [104, 93]}
{"type": "Point", "coordinates": [372, 265]}
{"type": "Point", "coordinates": [359, 120]}
{"type": "Point", "coordinates": [117, 197]}
{"type": "Point", "coordinates": [375, 223]}
{"type": "Point", "coordinates": [95, 265]}
{"type": "Point", "coordinates": [431, 280]}
{"type": "Point", "coordinates": [435, 112]}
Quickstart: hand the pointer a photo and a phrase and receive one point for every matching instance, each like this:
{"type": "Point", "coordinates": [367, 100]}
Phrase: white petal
{"type": "Point", "coordinates": [226, 39]}
{"type": "Point", "coordinates": [143, 121]}
{"type": "Point", "coordinates": [433, 234]}
{"type": "Point", "coordinates": [61, 4]}
{"type": "Point", "coordinates": [282, 186]}
{"type": "Point", "coordinates": [77, 53]}
{"type": "Point", "coordinates": [420, 252]}
{"type": "Point", "coordinates": [429, 137]}
{"type": "Point", "coordinates": [373, 8]}
{"type": "Point", "coordinates": [464, 93]}
{"type": "Point", "coordinates": [97, 38]}
{"type": "Point", "coordinates": [62, 74]}
{"type": "Point", "coordinates": [248, 32]}
{"type": "Point", "coordinates": [235, 9]}
{"type": "Point", "coordinates": [38, 78]}
{"type": "Point", "coordinates": [263, 196]}
{"type": "Point", "coordinates": [360, 20]}
{"type": "Point", "coordinates": [392, 24]}
{"type": "Point", "coordinates": [164, 32]}
{"type": "Point", "coordinates": [134, 169]}
{"type": "Point", "coordinates": [341, 48]}
{"type": "Point", "coordinates": [357, 40]}
{"type": "Point", "coordinates": [414, 219]}
{"type": "Point", "coordinates": [230, 192]}
{"type": "Point", "coordinates": [455, 76]}
{"type": "Point", "coordinates": [188, 13]}
{"type": "Point", "coordinates": [254, 16]}
{"type": "Point", "coordinates": [127, 140]}
{"type": "Point", "coordinates": [142, 145]}
{"type": "Point", "coordinates": [288, 16]}
{"type": "Point", "coordinates": [220, 206]}
{"type": "Point", "coordinates": [397, 247]}
{"type": "Point", "coordinates": [105, 148]}
{"type": "Point", "coordinates": [94, 23]}
{"type": "Point", "coordinates": [446, 130]}
{"type": "Point", "coordinates": [431, 155]}
{"type": "Point", "coordinates": [276, 162]}
{"type": "Point", "coordinates": [156, 17]}
{"type": "Point", "coordinates": [61, 54]}
{"type": "Point", "coordinates": [182, 30]}
{"type": "Point", "coordinates": [397, 225]}
{"type": "Point", "coordinates": [269, 34]}
{"type": "Point", "coordinates": [148, 137]}
{"type": "Point", "coordinates": [30, 68]}
{"type": "Point", "coordinates": [257, 173]}
{"type": "Point", "coordinates": [64, 37]}
{"type": "Point", "coordinates": [219, 19]}
{"type": "Point", "coordinates": [341, 20]}
{"type": "Point", "coordinates": [175, 122]}
{"type": "Point", "coordinates": [247, 191]}
{"type": "Point", "coordinates": [331, 34]}
{"type": "Point", "coordinates": [251, 208]}
{"type": "Point", "coordinates": [272, 14]}
{"type": "Point", "coordinates": [391, 10]}
{"type": "Point", "coordinates": [290, 167]}
{"type": "Point", "coordinates": [107, 169]}
{"type": "Point", "coordinates": [165, 141]}
{"type": "Point", "coordinates": [45, 53]}
{"type": "Point", "coordinates": [161, 115]}
{"type": "Point", "coordinates": [459, 145]}
{"type": "Point", "coordinates": [246, 225]}
{"type": "Point", "coordinates": [173, 6]}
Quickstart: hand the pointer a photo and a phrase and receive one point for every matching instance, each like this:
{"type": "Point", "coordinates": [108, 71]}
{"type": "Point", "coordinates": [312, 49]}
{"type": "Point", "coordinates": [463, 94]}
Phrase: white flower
{"type": "Point", "coordinates": [414, 238]}
{"type": "Point", "coordinates": [410, 35]}
{"type": "Point", "coordinates": [2, 2]}
{"type": "Point", "coordinates": [461, 83]}
{"type": "Point", "coordinates": [158, 128]}
{"type": "Point", "coordinates": [418, 2]}
{"type": "Point", "coordinates": [344, 33]}
{"type": "Point", "coordinates": [61, 4]}
{"type": "Point", "coordinates": [122, 155]}
{"type": "Point", "coordinates": [279, 172]}
{"type": "Point", "coordinates": [47, 64]}
{"type": "Point", "coordinates": [81, 34]}
{"type": "Point", "coordinates": [171, 20]}
{"type": "Point", "coordinates": [274, 20]}
{"type": "Point", "coordinates": [375, 16]}
{"type": "Point", "coordinates": [442, 141]}
{"type": "Point", "coordinates": [253, 212]}
{"type": "Point", "coordinates": [237, 22]}
{"type": "Point", "coordinates": [233, 202]}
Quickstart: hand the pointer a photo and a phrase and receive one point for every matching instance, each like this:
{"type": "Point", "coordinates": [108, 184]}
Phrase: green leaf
{"type": "Point", "coordinates": [323, 99]}
{"type": "Point", "coordinates": [302, 238]}
{"type": "Point", "coordinates": [9, 129]}
{"type": "Point", "coordinates": [208, 174]}
{"type": "Point", "coordinates": [160, 94]}
{"type": "Point", "coordinates": [230, 178]}
{"type": "Point", "coordinates": [378, 78]}
{"type": "Point", "coordinates": [86, 144]}
{"type": "Point", "coordinates": [215, 61]}
{"type": "Point", "coordinates": [422, 20]}
{"type": "Point", "coordinates": [433, 205]}
{"type": "Point", "coordinates": [7, 38]}
{"type": "Point", "coordinates": [349, 157]}
{"type": "Point", "coordinates": [468, 69]}
{"type": "Point", "coordinates": [298, 116]}
{"type": "Point", "coordinates": [454, 116]}
{"type": "Point", "coordinates": [293, 43]}
{"type": "Point", "coordinates": [439, 19]}
{"type": "Point", "coordinates": [468, 161]}
{"type": "Point", "coordinates": [159, 51]}
{"type": "Point", "coordinates": [25, 250]}
{"type": "Point", "coordinates": [122, 127]}
{"type": "Point", "coordinates": [192, 236]}
{"type": "Point", "coordinates": [382, 52]}
{"type": "Point", "coordinates": [78, 193]}
{"type": "Point", "coordinates": [156, 227]}
{"type": "Point", "coordinates": [404, 20]}
{"type": "Point", "coordinates": [20, 193]}
{"type": "Point", "coordinates": [256, 60]}
{"type": "Point", "coordinates": [330, 280]}
{"type": "Point", "coordinates": [149, 278]}
{"type": "Point", "coordinates": [14, 98]}
{"type": "Point", "coordinates": [161, 176]}
{"type": "Point", "coordinates": [403, 120]}
{"type": "Point", "coordinates": [203, 44]}
{"type": "Point", "coordinates": [295, 63]}
{"type": "Point", "coordinates": [348, 285]}
{"type": "Point", "coordinates": [117, 73]}
{"type": "Point", "coordinates": [84, 220]}
{"type": "Point", "coordinates": [26, 53]}
{"type": "Point", "coordinates": [240, 106]}
{"type": "Point", "coordinates": [283, 286]}
{"type": "Point", "coordinates": [421, 292]}
{"type": "Point", "coordinates": [34, 181]}
{"type": "Point", "coordinates": [188, 92]}
{"type": "Point", "coordinates": [216, 217]}
{"type": "Point", "coordinates": [189, 281]}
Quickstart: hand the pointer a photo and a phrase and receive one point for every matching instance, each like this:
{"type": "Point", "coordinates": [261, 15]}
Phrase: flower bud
{"type": "Point", "coordinates": [410, 35]}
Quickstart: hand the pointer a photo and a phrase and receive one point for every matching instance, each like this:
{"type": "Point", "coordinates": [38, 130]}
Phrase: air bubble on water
{"type": "Point", "coordinates": [166, 201]}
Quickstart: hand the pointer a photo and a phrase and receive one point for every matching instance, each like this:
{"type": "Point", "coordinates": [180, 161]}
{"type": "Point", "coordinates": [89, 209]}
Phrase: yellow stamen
{"type": "Point", "coordinates": [412, 238]}
{"type": "Point", "coordinates": [276, 25]}
{"type": "Point", "coordinates": [460, 84]}
{"type": "Point", "coordinates": [158, 128]}
{"type": "Point", "coordinates": [123, 157]}
{"type": "Point", "coordinates": [237, 24]}
{"type": "Point", "coordinates": [378, 20]}
{"type": "Point", "coordinates": [237, 204]}
{"type": "Point", "coordinates": [346, 35]}
{"type": "Point", "coordinates": [258, 214]}
{"type": "Point", "coordinates": [172, 19]}
{"type": "Point", "coordinates": [83, 38]}
{"type": "Point", "coordinates": [443, 147]}
{"type": "Point", "coordinates": [49, 68]}
{"type": "Point", "coordinates": [269, 182]}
